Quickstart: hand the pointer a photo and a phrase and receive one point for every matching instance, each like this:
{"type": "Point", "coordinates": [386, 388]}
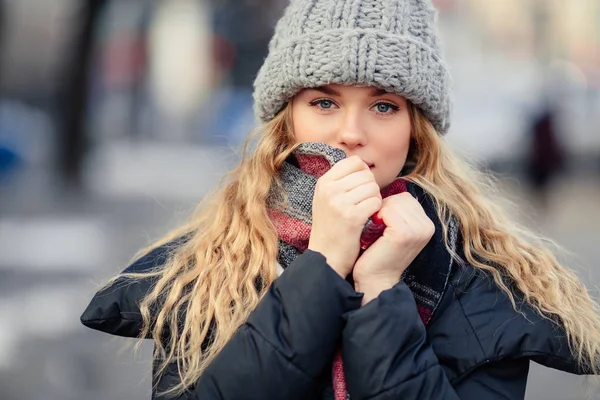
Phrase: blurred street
{"type": "Point", "coordinates": [56, 249]}
{"type": "Point", "coordinates": [116, 120]}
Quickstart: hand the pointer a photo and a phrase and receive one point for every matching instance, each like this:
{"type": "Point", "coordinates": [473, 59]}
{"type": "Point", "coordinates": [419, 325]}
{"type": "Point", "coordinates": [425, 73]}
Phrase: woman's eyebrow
{"type": "Point", "coordinates": [332, 92]}
{"type": "Point", "coordinates": [378, 92]}
{"type": "Point", "coordinates": [327, 90]}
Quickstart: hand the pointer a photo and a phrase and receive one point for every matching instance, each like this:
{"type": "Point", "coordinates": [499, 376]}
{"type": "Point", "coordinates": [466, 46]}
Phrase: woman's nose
{"type": "Point", "coordinates": [351, 131]}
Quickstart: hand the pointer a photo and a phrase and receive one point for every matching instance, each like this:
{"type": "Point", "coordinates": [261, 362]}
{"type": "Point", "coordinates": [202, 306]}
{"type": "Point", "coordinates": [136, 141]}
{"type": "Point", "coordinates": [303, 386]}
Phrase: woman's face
{"type": "Point", "coordinates": [363, 121]}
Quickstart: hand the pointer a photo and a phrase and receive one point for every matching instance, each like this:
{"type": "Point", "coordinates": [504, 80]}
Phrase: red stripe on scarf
{"type": "Point", "coordinates": [315, 165]}
{"type": "Point", "coordinates": [339, 380]}
{"type": "Point", "coordinates": [397, 186]}
{"type": "Point", "coordinates": [424, 313]}
{"type": "Point", "coordinates": [291, 230]}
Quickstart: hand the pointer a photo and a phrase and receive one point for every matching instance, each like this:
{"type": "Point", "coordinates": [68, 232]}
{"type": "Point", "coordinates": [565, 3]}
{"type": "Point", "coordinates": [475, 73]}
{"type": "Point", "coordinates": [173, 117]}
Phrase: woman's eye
{"type": "Point", "coordinates": [326, 104]}
{"type": "Point", "coordinates": [323, 104]}
{"type": "Point", "coordinates": [385, 108]}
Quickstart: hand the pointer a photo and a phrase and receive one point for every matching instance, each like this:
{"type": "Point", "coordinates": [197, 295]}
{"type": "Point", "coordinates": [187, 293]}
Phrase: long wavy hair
{"type": "Point", "coordinates": [209, 284]}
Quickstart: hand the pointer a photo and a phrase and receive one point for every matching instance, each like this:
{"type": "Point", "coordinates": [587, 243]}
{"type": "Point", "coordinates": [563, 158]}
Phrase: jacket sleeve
{"type": "Point", "coordinates": [387, 357]}
{"type": "Point", "coordinates": [288, 341]}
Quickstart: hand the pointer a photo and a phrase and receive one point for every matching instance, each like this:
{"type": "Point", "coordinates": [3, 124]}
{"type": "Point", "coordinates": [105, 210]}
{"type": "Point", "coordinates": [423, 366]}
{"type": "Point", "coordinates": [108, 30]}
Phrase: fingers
{"type": "Point", "coordinates": [344, 199]}
{"type": "Point", "coordinates": [369, 206]}
{"type": "Point", "coordinates": [403, 203]}
{"type": "Point", "coordinates": [404, 213]}
{"type": "Point", "coordinates": [356, 186]}
{"type": "Point", "coordinates": [357, 205]}
{"type": "Point", "coordinates": [355, 180]}
{"type": "Point", "coordinates": [364, 192]}
{"type": "Point", "coordinates": [345, 168]}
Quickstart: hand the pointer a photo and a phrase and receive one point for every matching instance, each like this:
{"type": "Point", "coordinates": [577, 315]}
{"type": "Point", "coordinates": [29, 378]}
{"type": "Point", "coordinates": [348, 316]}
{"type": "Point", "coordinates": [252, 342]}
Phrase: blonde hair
{"type": "Point", "coordinates": [209, 284]}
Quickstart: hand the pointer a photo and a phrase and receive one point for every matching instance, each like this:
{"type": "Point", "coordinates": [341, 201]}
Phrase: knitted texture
{"type": "Point", "coordinates": [389, 44]}
{"type": "Point", "coordinates": [291, 214]}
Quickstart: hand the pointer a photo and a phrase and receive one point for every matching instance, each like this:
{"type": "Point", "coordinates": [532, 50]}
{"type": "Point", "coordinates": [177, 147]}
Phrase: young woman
{"type": "Point", "coordinates": [352, 254]}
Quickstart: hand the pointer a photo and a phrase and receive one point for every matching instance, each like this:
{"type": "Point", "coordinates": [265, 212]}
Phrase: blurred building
{"type": "Point", "coordinates": [545, 29]}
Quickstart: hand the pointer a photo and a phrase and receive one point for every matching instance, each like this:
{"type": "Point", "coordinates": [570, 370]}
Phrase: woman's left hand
{"type": "Point", "coordinates": [408, 230]}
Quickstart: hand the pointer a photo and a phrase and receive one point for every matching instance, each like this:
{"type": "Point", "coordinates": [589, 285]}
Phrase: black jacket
{"type": "Point", "coordinates": [475, 347]}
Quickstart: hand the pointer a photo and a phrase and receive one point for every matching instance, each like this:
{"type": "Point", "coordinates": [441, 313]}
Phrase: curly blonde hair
{"type": "Point", "coordinates": [209, 284]}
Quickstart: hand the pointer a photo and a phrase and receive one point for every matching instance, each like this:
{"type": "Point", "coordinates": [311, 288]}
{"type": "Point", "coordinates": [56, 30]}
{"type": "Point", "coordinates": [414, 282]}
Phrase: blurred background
{"type": "Point", "coordinates": [117, 117]}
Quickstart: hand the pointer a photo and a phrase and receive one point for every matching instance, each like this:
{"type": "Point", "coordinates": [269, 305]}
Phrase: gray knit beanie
{"type": "Point", "coordinates": [390, 44]}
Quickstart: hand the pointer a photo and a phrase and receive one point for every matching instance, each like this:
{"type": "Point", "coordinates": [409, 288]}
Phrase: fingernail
{"type": "Point", "coordinates": [377, 219]}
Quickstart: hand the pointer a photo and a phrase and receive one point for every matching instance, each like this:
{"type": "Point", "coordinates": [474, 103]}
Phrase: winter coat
{"type": "Point", "coordinates": [476, 346]}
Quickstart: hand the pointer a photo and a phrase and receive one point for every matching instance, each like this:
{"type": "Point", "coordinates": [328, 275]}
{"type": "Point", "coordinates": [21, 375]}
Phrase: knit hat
{"type": "Point", "coordinates": [389, 44]}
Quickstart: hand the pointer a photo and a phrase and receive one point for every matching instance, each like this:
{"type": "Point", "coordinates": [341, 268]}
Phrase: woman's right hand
{"type": "Point", "coordinates": [345, 197]}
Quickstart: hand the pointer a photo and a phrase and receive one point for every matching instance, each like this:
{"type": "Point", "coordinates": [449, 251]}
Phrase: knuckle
{"type": "Point", "coordinates": [369, 207]}
{"type": "Point", "coordinates": [390, 200]}
{"type": "Point", "coordinates": [347, 162]}
{"type": "Point", "coordinates": [401, 239]}
{"type": "Point", "coordinates": [395, 206]}
{"type": "Point", "coordinates": [399, 199]}
{"type": "Point", "coordinates": [333, 202]}
{"type": "Point", "coordinates": [368, 176]}
{"type": "Point", "coordinates": [348, 216]}
{"type": "Point", "coordinates": [377, 203]}
{"type": "Point", "coordinates": [431, 227]}
{"type": "Point", "coordinates": [375, 188]}
{"type": "Point", "coordinates": [356, 160]}
{"type": "Point", "coordinates": [321, 182]}
{"type": "Point", "coordinates": [327, 189]}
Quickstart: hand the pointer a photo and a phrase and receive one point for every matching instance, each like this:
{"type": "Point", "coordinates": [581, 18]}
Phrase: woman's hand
{"type": "Point", "coordinates": [407, 232]}
{"type": "Point", "coordinates": [345, 197]}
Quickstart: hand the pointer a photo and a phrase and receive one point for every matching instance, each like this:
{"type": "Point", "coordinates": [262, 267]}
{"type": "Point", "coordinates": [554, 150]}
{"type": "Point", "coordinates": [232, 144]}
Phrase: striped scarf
{"type": "Point", "coordinates": [427, 275]}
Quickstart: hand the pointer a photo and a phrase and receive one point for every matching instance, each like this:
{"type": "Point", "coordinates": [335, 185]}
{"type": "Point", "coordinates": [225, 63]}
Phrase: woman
{"type": "Point", "coordinates": [352, 254]}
